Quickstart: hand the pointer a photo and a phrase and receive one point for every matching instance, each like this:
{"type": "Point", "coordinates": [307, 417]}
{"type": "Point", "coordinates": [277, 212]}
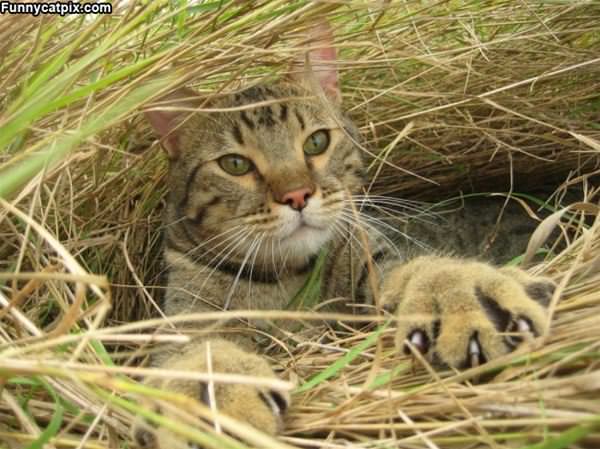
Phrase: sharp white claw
{"type": "Point", "coordinates": [474, 348]}
{"type": "Point", "coordinates": [417, 340]}
{"type": "Point", "coordinates": [474, 352]}
{"type": "Point", "coordinates": [523, 325]}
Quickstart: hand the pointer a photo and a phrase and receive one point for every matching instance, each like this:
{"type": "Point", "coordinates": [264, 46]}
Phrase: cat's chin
{"type": "Point", "coordinates": [302, 235]}
{"type": "Point", "coordinates": [304, 241]}
{"type": "Point", "coordinates": [304, 232]}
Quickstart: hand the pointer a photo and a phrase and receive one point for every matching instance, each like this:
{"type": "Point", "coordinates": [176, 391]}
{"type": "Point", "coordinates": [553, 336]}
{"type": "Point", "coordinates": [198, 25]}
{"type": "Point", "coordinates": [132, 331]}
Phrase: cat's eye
{"type": "Point", "coordinates": [235, 165]}
{"type": "Point", "coordinates": [317, 142]}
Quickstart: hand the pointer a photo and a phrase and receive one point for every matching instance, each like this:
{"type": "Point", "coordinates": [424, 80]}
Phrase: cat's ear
{"type": "Point", "coordinates": [167, 115]}
{"type": "Point", "coordinates": [319, 63]}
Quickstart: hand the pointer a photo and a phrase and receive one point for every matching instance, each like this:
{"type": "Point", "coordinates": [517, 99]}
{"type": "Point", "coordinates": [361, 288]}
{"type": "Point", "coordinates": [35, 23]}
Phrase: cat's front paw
{"type": "Point", "coordinates": [263, 408]}
{"type": "Point", "coordinates": [463, 313]}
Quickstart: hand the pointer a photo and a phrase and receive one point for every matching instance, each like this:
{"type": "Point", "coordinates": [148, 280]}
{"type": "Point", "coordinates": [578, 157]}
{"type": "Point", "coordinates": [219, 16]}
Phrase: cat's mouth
{"type": "Point", "coordinates": [303, 235]}
{"type": "Point", "coordinates": [302, 227]}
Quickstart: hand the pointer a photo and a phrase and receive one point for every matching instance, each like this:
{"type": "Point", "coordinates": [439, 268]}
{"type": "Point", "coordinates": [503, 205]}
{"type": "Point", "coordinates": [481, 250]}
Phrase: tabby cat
{"type": "Point", "coordinates": [259, 186]}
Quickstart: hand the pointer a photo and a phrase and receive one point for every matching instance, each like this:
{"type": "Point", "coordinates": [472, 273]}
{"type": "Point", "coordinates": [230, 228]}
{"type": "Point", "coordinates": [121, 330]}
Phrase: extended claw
{"type": "Point", "coordinates": [475, 357]}
{"type": "Point", "coordinates": [419, 340]}
{"type": "Point", "coordinates": [520, 326]}
{"type": "Point", "coordinates": [474, 352]}
{"type": "Point", "coordinates": [523, 325]}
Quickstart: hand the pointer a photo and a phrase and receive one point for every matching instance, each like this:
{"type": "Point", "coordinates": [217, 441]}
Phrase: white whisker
{"type": "Point", "coordinates": [214, 268]}
{"type": "Point", "coordinates": [256, 251]}
{"type": "Point", "coordinates": [239, 273]}
{"type": "Point", "coordinates": [204, 243]}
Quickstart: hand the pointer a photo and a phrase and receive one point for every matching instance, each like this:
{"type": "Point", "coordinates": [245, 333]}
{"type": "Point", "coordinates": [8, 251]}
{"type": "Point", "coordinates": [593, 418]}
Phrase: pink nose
{"type": "Point", "coordinates": [297, 199]}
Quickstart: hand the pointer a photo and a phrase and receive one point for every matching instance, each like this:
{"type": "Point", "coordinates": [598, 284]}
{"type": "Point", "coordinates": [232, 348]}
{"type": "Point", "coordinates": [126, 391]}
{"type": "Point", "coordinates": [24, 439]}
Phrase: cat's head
{"type": "Point", "coordinates": [263, 173]}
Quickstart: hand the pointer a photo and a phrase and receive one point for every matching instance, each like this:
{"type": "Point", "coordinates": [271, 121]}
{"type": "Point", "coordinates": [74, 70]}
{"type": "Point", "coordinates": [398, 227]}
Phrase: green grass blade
{"type": "Point", "coordinates": [15, 175]}
{"type": "Point", "coordinates": [340, 363]}
{"type": "Point", "coordinates": [38, 104]}
{"type": "Point", "coordinates": [195, 435]}
{"type": "Point", "coordinates": [102, 83]}
{"type": "Point", "coordinates": [47, 71]}
{"type": "Point", "coordinates": [102, 352]}
{"type": "Point", "coordinates": [55, 422]}
{"type": "Point", "coordinates": [386, 378]}
{"type": "Point", "coordinates": [310, 293]}
{"type": "Point", "coordinates": [566, 438]}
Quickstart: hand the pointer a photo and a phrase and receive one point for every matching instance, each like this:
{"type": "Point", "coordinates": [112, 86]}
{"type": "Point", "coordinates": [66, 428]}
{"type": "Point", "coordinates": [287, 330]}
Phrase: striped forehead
{"type": "Point", "coordinates": [275, 112]}
{"type": "Point", "coordinates": [272, 124]}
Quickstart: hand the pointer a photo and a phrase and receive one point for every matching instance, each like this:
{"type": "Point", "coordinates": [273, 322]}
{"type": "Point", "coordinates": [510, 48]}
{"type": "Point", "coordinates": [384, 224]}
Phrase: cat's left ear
{"type": "Point", "coordinates": [167, 122]}
{"type": "Point", "coordinates": [319, 63]}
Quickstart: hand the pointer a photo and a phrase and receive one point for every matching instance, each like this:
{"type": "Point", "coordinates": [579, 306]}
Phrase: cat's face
{"type": "Point", "coordinates": [274, 176]}
{"type": "Point", "coordinates": [265, 175]}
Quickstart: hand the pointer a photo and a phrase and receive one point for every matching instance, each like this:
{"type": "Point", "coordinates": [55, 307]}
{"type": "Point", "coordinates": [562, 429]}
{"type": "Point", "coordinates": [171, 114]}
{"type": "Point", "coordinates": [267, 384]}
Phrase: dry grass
{"type": "Point", "coordinates": [481, 95]}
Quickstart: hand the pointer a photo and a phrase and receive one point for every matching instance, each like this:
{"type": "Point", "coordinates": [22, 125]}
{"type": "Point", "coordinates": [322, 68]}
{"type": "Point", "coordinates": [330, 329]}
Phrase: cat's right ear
{"type": "Point", "coordinates": [167, 116]}
{"type": "Point", "coordinates": [319, 63]}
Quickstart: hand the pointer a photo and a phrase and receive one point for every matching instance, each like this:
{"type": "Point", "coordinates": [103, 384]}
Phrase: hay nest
{"type": "Point", "coordinates": [450, 96]}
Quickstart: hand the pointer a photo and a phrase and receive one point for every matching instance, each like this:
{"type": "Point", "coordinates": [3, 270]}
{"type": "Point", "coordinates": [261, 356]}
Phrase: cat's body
{"type": "Point", "coordinates": [257, 191]}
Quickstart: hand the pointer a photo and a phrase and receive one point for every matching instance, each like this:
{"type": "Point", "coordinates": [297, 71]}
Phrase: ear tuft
{"type": "Point", "coordinates": [166, 122]}
{"type": "Point", "coordinates": [319, 62]}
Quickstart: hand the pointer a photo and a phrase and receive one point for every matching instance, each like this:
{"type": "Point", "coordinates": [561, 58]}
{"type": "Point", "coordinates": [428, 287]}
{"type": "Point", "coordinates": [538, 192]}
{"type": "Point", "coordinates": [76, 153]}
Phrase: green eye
{"type": "Point", "coordinates": [317, 142]}
{"type": "Point", "coordinates": [235, 165]}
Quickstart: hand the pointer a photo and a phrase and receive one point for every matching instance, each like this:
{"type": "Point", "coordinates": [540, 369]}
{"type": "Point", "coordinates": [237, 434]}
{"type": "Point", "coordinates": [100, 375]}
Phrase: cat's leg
{"type": "Point", "coordinates": [263, 408]}
{"type": "Point", "coordinates": [461, 313]}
